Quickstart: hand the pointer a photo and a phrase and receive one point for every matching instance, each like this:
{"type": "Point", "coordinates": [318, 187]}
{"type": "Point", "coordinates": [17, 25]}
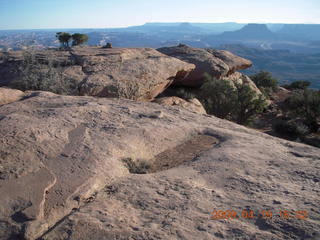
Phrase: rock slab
{"type": "Point", "coordinates": [133, 73]}
{"type": "Point", "coordinates": [62, 174]}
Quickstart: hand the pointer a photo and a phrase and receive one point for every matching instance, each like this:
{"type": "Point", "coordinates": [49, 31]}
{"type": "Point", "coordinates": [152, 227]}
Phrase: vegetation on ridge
{"type": "Point", "coordinates": [77, 39]}
{"type": "Point", "coordinates": [306, 105]}
{"type": "Point", "coordinates": [33, 75]}
{"type": "Point", "coordinates": [265, 82]}
{"type": "Point", "coordinates": [238, 102]}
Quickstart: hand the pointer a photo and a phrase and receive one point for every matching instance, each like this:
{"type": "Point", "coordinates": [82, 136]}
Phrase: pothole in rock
{"type": "Point", "coordinates": [173, 157]}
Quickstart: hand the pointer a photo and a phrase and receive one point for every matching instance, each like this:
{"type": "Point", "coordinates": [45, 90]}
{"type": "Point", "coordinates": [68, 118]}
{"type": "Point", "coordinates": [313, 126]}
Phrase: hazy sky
{"type": "Point", "coordinates": [26, 14]}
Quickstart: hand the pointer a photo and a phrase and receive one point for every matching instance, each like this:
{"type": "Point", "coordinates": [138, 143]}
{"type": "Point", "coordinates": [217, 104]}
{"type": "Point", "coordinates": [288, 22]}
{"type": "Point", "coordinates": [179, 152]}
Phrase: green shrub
{"type": "Point", "coordinates": [306, 105]}
{"type": "Point", "coordinates": [265, 82]}
{"type": "Point", "coordinates": [237, 103]}
{"type": "Point", "coordinates": [218, 97]}
{"type": "Point", "coordinates": [247, 104]}
{"type": "Point", "coordinates": [297, 85]}
{"type": "Point", "coordinates": [290, 128]}
{"type": "Point", "coordinates": [79, 39]}
{"type": "Point", "coordinates": [64, 38]}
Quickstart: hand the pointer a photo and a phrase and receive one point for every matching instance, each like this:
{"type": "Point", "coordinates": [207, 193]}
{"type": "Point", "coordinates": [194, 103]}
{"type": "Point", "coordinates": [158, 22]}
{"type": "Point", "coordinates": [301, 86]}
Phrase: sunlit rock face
{"type": "Point", "coordinates": [70, 164]}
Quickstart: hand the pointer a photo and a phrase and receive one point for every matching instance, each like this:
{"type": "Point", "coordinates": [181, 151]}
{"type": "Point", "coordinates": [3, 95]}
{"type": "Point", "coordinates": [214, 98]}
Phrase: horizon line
{"type": "Point", "coordinates": [123, 27]}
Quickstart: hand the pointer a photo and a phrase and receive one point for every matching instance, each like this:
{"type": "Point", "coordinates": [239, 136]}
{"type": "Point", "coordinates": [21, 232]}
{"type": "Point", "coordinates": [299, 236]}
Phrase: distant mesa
{"type": "Point", "coordinates": [251, 31]}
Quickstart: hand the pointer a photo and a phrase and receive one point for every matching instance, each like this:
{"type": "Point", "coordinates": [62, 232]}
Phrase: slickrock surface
{"type": "Point", "coordinates": [193, 105]}
{"type": "Point", "coordinates": [8, 95]}
{"type": "Point", "coordinates": [62, 173]}
{"type": "Point", "coordinates": [134, 73]}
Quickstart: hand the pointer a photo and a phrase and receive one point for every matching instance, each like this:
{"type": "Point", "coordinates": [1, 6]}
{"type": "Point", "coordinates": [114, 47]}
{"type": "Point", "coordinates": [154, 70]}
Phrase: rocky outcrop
{"type": "Point", "coordinates": [193, 104]}
{"type": "Point", "coordinates": [218, 63]}
{"type": "Point", "coordinates": [8, 95]}
{"type": "Point", "coordinates": [135, 73]}
{"type": "Point", "coordinates": [205, 63]}
{"type": "Point", "coordinates": [139, 74]}
{"type": "Point", "coordinates": [63, 174]}
{"type": "Point", "coordinates": [234, 62]}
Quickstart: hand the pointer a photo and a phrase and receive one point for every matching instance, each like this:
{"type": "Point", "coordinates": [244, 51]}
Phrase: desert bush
{"type": "Point", "coordinates": [265, 82]}
{"type": "Point", "coordinates": [247, 104]}
{"type": "Point", "coordinates": [136, 167]}
{"type": "Point", "coordinates": [32, 75]}
{"type": "Point", "coordinates": [218, 97]}
{"type": "Point", "coordinates": [297, 85]}
{"type": "Point", "coordinates": [306, 105]}
{"type": "Point", "coordinates": [237, 103]}
{"type": "Point", "coordinates": [290, 128]}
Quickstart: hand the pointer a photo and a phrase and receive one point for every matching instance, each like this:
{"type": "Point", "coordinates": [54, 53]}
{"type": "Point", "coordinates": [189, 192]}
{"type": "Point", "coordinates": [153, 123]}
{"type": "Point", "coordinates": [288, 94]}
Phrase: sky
{"type": "Point", "coordinates": [40, 14]}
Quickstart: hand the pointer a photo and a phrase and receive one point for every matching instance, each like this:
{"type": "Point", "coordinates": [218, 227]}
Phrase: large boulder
{"type": "Point", "coordinates": [193, 104]}
{"type": "Point", "coordinates": [204, 61]}
{"type": "Point", "coordinates": [135, 73]}
{"type": "Point", "coordinates": [8, 95]}
{"type": "Point", "coordinates": [68, 171]}
{"type": "Point", "coordinates": [234, 62]}
{"type": "Point", "coordinates": [218, 63]}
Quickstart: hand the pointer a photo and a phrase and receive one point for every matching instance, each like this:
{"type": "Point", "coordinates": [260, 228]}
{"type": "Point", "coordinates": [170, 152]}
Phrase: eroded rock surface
{"type": "Point", "coordinates": [139, 74]}
{"type": "Point", "coordinates": [234, 62]}
{"type": "Point", "coordinates": [62, 174]}
{"type": "Point", "coordinates": [8, 95]}
{"type": "Point", "coordinates": [205, 63]}
{"type": "Point", "coordinates": [193, 104]}
{"type": "Point", "coordinates": [134, 73]}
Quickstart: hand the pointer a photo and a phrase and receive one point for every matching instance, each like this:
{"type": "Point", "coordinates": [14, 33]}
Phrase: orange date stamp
{"type": "Point", "coordinates": [266, 214]}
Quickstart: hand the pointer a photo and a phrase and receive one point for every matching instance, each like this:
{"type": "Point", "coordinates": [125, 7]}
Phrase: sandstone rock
{"type": "Point", "coordinates": [62, 174]}
{"type": "Point", "coordinates": [218, 63]}
{"type": "Point", "coordinates": [193, 105]}
{"type": "Point", "coordinates": [234, 62]}
{"type": "Point", "coordinates": [139, 74]}
{"type": "Point", "coordinates": [135, 73]}
{"type": "Point", "coordinates": [8, 95]}
{"type": "Point", "coordinates": [205, 63]}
